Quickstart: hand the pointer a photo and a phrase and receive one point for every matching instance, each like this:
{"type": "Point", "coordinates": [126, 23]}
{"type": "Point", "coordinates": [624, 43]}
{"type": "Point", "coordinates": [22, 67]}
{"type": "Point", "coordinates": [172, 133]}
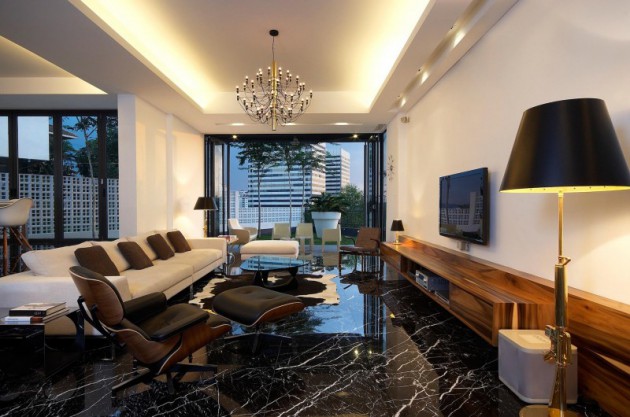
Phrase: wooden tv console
{"type": "Point", "coordinates": [485, 297]}
{"type": "Point", "coordinates": [488, 297]}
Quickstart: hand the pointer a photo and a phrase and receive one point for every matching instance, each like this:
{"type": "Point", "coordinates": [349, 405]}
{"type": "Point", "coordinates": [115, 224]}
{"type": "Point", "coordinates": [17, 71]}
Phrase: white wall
{"type": "Point", "coordinates": [161, 170]}
{"type": "Point", "coordinates": [188, 171]}
{"type": "Point", "coordinates": [540, 51]}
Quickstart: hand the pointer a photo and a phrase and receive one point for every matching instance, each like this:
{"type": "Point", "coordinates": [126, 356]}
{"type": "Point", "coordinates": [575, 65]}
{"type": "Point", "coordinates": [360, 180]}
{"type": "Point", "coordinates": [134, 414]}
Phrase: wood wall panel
{"type": "Point", "coordinates": [609, 385]}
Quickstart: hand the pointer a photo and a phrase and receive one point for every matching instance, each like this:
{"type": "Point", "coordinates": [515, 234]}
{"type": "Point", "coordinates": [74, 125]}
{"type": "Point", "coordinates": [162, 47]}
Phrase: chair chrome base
{"type": "Point", "coordinates": [257, 336]}
{"type": "Point", "coordinates": [146, 375]}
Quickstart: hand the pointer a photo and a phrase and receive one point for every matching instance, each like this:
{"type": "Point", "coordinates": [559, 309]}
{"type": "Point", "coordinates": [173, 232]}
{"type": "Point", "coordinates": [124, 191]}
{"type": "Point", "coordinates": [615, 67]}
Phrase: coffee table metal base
{"type": "Point", "coordinates": [261, 278]}
{"type": "Point", "coordinates": [262, 265]}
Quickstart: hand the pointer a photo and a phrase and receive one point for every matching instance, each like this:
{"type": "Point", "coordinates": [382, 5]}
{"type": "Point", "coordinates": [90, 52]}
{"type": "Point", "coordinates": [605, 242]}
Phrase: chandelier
{"type": "Point", "coordinates": [278, 98]}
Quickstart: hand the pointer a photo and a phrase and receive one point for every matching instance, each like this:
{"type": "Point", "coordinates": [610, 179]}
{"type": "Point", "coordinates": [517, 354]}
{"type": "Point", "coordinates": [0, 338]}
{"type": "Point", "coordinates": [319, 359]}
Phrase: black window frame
{"type": "Point", "coordinates": [374, 187]}
{"type": "Point", "coordinates": [13, 167]}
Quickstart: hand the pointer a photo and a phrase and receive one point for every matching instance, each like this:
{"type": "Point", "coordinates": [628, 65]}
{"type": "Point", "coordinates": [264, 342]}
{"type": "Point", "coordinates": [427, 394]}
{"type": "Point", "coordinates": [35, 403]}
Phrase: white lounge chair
{"type": "Point", "coordinates": [244, 234]}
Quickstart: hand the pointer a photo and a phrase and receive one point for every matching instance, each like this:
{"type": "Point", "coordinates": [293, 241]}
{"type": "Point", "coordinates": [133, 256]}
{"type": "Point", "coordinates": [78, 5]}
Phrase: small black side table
{"type": "Point", "coordinates": [25, 346]}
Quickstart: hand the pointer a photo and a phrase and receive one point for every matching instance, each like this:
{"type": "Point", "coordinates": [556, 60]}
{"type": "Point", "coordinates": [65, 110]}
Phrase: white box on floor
{"type": "Point", "coordinates": [523, 369]}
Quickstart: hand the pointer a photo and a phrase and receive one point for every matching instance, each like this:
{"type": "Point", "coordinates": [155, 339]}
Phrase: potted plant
{"type": "Point", "coordinates": [326, 210]}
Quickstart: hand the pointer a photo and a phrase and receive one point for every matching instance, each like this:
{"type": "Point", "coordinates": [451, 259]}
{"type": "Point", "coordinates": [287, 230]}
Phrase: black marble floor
{"type": "Point", "coordinates": [384, 350]}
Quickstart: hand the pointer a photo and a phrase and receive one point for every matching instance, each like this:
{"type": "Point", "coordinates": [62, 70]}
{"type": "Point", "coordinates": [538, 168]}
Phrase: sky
{"type": "Point", "coordinates": [239, 176]}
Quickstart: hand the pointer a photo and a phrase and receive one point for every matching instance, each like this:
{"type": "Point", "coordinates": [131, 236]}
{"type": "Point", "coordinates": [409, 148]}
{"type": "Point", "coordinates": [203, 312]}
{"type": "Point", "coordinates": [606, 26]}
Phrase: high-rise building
{"type": "Point", "coordinates": [281, 194]}
{"type": "Point", "coordinates": [278, 187]}
{"type": "Point", "coordinates": [337, 169]}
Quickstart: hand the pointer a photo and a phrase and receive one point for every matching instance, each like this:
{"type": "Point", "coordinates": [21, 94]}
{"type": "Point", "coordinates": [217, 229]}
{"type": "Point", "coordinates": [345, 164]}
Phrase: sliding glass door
{"type": "Point", "coordinates": [281, 192]}
{"type": "Point", "coordinates": [374, 184]}
{"type": "Point", "coordinates": [217, 162]}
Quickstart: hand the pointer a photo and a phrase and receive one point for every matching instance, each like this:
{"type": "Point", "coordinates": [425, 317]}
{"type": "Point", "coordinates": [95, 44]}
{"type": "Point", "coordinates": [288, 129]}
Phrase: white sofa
{"type": "Point", "coordinates": [48, 278]}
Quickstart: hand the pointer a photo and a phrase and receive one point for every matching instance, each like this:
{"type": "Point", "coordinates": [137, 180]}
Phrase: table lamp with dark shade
{"type": "Point", "coordinates": [567, 146]}
{"type": "Point", "coordinates": [397, 226]}
{"type": "Point", "coordinates": [206, 204]}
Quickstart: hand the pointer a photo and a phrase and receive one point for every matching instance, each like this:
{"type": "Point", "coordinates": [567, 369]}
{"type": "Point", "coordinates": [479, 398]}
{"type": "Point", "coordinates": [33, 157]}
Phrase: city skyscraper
{"type": "Point", "coordinates": [281, 199]}
{"type": "Point", "coordinates": [275, 190]}
{"type": "Point", "coordinates": [337, 169]}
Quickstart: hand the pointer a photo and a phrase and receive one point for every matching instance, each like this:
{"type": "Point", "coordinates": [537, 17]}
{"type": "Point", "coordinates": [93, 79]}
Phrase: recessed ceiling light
{"type": "Point", "coordinates": [237, 124]}
{"type": "Point", "coordinates": [342, 124]}
{"type": "Point", "coordinates": [459, 35]}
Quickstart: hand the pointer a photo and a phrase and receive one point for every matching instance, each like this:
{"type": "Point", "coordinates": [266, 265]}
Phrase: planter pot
{"type": "Point", "coordinates": [325, 220]}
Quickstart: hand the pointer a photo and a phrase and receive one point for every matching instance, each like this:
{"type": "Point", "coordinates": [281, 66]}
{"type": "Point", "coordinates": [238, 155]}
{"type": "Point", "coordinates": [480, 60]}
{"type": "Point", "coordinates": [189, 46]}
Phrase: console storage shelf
{"type": "Point", "coordinates": [476, 294]}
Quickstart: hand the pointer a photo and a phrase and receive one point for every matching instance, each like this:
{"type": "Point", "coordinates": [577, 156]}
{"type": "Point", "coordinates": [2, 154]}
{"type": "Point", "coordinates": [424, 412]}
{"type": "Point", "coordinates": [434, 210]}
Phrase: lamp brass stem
{"type": "Point", "coordinates": [560, 223]}
{"type": "Point", "coordinates": [560, 350]}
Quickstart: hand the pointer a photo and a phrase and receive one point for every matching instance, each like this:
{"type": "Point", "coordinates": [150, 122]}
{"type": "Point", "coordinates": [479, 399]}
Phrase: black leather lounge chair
{"type": "Point", "coordinates": [158, 336]}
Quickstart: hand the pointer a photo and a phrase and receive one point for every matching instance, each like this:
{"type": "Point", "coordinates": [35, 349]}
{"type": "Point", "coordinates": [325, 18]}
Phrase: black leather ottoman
{"type": "Point", "coordinates": [252, 305]}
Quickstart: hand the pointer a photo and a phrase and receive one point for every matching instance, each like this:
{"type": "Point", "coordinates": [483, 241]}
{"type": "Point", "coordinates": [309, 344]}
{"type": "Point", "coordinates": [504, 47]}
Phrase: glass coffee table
{"type": "Point", "coordinates": [263, 265]}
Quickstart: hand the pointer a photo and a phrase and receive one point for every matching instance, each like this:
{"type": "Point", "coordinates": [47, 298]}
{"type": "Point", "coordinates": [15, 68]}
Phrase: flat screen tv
{"type": "Point", "coordinates": [464, 208]}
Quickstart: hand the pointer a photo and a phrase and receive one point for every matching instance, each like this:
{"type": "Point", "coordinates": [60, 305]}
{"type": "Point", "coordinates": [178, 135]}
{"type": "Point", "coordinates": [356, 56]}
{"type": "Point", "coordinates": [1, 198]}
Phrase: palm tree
{"type": "Point", "coordinates": [286, 154]}
{"type": "Point", "coordinates": [87, 126]}
{"type": "Point", "coordinates": [260, 156]}
{"type": "Point", "coordinates": [308, 160]}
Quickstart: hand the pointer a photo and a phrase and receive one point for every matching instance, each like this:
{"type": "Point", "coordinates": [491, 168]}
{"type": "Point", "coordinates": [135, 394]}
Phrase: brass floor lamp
{"type": "Point", "coordinates": [563, 147]}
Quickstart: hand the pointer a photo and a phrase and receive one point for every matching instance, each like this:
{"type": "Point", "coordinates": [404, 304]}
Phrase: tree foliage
{"type": "Point", "coordinates": [86, 158]}
{"type": "Point", "coordinates": [258, 157]}
{"type": "Point", "coordinates": [286, 154]}
{"type": "Point", "coordinates": [354, 217]}
{"type": "Point", "coordinates": [84, 161]}
{"type": "Point", "coordinates": [328, 202]}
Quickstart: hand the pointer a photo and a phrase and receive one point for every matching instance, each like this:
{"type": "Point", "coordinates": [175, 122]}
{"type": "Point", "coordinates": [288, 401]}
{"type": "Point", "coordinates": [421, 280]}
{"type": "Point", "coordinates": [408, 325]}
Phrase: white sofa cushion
{"type": "Point", "coordinates": [198, 258]}
{"type": "Point", "coordinates": [114, 253]}
{"type": "Point", "coordinates": [53, 262]}
{"type": "Point", "coordinates": [157, 278]}
{"type": "Point", "coordinates": [144, 244]}
{"type": "Point", "coordinates": [281, 248]}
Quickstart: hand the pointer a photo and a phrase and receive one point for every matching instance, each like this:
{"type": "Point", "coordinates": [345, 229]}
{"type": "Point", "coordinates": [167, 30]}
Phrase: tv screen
{"type": "Point", "coordinates": [464, 209]}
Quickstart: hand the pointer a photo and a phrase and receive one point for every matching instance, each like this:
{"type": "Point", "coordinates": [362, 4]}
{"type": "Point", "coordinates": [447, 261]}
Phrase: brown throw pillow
{"type": "Point", "coordinates": [134, 254]}
{"type": "Point", "coordinates": [179, 241]}
{"type": "Point", "coordinates": [159, 245]}
{"type": "Point", "coordinates": [96, 259]}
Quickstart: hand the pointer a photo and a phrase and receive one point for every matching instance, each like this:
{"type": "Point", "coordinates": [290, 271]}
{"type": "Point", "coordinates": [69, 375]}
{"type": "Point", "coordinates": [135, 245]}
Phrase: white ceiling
{"type": "Point", "coordinates": [365, 60]}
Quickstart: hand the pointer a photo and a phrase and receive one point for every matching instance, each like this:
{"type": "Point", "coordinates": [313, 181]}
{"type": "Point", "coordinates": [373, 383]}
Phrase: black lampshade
{"type": "Point", "coordinates": [205, 203]}
{"type": "Point", "coordinates": [397, 226]}
{"type": "Point", "coordinates": [566, 146]}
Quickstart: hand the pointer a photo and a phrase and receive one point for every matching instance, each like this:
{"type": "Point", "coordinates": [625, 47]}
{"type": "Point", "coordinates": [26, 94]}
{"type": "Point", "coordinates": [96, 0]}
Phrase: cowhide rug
{"type": "Point", "coordinates": [312, 289]}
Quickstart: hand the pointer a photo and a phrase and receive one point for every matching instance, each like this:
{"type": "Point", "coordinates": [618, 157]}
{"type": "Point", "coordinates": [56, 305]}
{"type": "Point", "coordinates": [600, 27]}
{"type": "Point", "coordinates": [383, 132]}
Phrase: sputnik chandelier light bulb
{"type": "Point", "coordinates": [278, 99]}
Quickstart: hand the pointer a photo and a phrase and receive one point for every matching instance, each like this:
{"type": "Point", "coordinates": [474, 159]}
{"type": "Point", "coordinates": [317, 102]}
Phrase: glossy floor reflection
{"type": "Point", "coordinates": [384, 350]}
